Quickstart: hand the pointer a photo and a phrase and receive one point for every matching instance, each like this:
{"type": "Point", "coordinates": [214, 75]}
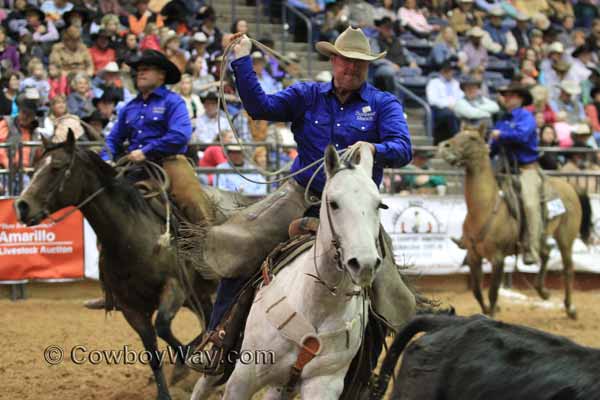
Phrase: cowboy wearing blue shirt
{"type": "Point", "coordinates": [344, 112]}
{"type": "Point", "coordinates": [157, 126]}
{"type": "Point", "coordinates": [517, 135]}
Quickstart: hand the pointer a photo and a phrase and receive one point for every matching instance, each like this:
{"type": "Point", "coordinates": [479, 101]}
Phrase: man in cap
{"type": "Point", "coordinates": [554, 77]}
{"type": "Point", "coordinates": [476, 55]}
{"type": "Point", "coordinates": [464, 17]}
{"type": "Point", "coordinates": [344, 112]}
{"type": "Point", "coordinates": [500, 40]}
{"type": "Point", "coordinates": [521, 31]}
{"type": "Point", "coordinates": [71, 55]}
{"type": "Point", "coordinates": [581, 64]}
{"type": "Point", "coordinates": [555, 54]}
{"type": "Point", "coordinates": [266, 81]}
{"type": "Point", "coordinates": [208, 124]}
{"type": "Point", "coordinates": [442, 93]}
{"type": "Point", "coordinates": [516, 135]}
{"type": "Point", "coordinates": [386, 69]}
{"type": "Point", "coordinates": [233, 181]}
{"type": "Point", "coordinates": [570, 102]}
{"type": "Point", "coordinates": [475, 109]}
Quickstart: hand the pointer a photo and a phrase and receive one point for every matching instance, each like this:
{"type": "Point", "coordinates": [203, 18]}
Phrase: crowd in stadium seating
{"type": "Point", "coordinates": [63, 63]}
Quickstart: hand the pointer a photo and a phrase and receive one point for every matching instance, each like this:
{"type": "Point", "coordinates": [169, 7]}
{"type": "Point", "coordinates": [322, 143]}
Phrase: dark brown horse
{"type": "Point", "coordinates": [142, 275]}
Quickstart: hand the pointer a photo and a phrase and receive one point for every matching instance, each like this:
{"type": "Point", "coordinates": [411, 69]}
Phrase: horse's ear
{"type": "Point", "coordinates": [70, 139]}
{"type": "Point", "coordinates": [366, 158]}
{"type": "Point", "coordinates": [332, 161]}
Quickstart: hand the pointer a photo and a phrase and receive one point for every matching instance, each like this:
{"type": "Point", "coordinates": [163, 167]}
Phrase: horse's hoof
{"type": "Point", "coordinates": [544, 294]}
{"type": "Point", "coordinates": [179, 373]}
{"type": "Point", "coordinates": [572, 313]}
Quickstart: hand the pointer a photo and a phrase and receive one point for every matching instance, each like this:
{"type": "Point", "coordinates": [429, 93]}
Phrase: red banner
{"type": "Point", "coordinates": [45, 251]}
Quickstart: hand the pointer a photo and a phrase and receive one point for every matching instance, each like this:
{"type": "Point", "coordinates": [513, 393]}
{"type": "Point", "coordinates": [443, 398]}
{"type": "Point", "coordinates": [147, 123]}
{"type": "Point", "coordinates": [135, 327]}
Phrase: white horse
{"type": "Point", "coordinates": [300, 306]}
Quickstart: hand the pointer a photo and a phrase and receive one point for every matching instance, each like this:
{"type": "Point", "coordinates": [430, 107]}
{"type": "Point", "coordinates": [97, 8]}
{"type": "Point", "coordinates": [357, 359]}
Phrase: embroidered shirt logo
{"type": "Point", "coordinates": [366, 114]}
{"type": "Point", "coordinates": [159, 110]}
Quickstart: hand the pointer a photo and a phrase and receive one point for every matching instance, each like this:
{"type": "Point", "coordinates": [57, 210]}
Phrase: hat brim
{"type": "Point", "coordinates": [525, 94]}
{"type": "Point", "coordinates": [328, 49]}
{"type": "Point", "coordinates": [172, 73]}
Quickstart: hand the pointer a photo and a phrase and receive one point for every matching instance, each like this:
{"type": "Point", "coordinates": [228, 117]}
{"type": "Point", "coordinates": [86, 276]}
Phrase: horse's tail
{"type": "Point", "coordinates": [420, 323]}
{"type": "Point", "coordinates": [585, 230]}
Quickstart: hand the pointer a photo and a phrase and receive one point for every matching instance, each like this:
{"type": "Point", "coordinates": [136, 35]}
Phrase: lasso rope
{"type": "Point", "coordinates": [346, 154]}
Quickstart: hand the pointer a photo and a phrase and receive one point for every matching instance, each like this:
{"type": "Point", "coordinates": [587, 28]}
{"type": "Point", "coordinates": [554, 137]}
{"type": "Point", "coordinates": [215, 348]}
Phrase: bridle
{"type": "Point", "coordinates": [338, 256]}
{"type": "Point", "coordinates": [60, 188]}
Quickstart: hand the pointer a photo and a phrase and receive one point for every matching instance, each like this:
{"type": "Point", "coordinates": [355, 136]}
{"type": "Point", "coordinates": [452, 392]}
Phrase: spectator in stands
{"type": "Point", "coordinates": [239, 25]}
{"type": "Point", "coordinates": [541, 105]}
{"type": "Point", "coordinates": [100, 52]}
{"type": "Point", "coordinates": [111, 7]}
{"type": "Point", "coordinates": [521, 32]}
{"type": "Point", "coordinates": [554, 54]}
{"type": "Point", "coordinates": [214, 35]}
{"type": "Point", "coordinates": [475, 55]}
{"type": "Point", "coordinates": [108, 80]}
{"type": "Point", "coordinates": [582, 57]}
{"type": "Point", "coordinates": [71, 54]}
{"type": "Point", "coordinates": [54, 9]}
{"type": "Point", "coordinates": [171, 46]}
{"type": "Point", "coordinates": [213, 156]}
{"type": "Point", "coordinates": [547, 138]}
{"type": "Point", "coordinates": [585, 13]}
{"type": "Point", "coordinates": [58, 109]}
{"type": "Point", "coordinates": [202, 80]}
{"type": "Point", "coordinates": [79, 102]}
{"type": "Point", "coordinates": [565, 31]}
{"type": "Point", "coordinates": [578, 38]}
{"type": "Point", "coordinates": [36, 79]}
{"type": "Point", "coordinates": [552, 81]}
{"type": "Point", "coordinates": [42, 31]}
{"type": "Point", "coordinates": [208, 124]}
{"type": "Point", "coordinates": [128, 51]}
{"type": "Point", "coordinates": [268, 84]}
{"type": "Point", "coordinates": [192, 100]}
{"type": "Point", "coordinates": [20, 128]}
{"type": "Point", "coordinates": [112, 26]}
{"type": "Point", "coordinates": [500, 40]}
{"type": "Point", "coordinates": [414, 20]}
{"type": "Point", "coordinates": [528, 73]}
{"type": "Point", "coordinates": [581, 161]}
{"type": "Point", "coordinates": [9, 56]}
{"type": "Point", "coordinates": [198, 47]}
{"type": "Point", "coordinates": [58, 82]}
{"type": "Point", "coordinates": [138, 20]}
{"type": "Point", "coordinates": [561, 10]}
{"type": "Point", "coordinates": [385, 70]}
{"type": "Point", "coordinates": [443, 92]}
{"type": "Point", "coordinates": [422, 184]}
{"type": "Point", "coordinates": [474, 109]}
{"type": "Point", "coordinates": [151, 39]}
{"type": "Point", "coordinates": [568, 101]}
{"type": "Point", "coordinates": [592, 111]}
{"type": "Point", "coordinates": [233, 181]}
{"type": "Point", "coordinates": [106, 106]}
{"type": "Point", "coordinates": [15, 20]}
{"type": "Point", "coordinates": [532, 7]}
{"type": "Point", "coordinates": [80, 18]}
{"type": "Point", "coordinates": [8, 94]}
{"type": "Point", "coordinates": [446, 47]}
{"type": "Point", "coordinates": [464, 17]}
{"type": "Point", "coordinates": [386, 9]}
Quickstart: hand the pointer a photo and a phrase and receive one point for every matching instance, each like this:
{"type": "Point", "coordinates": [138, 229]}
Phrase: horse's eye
{"type": "Point", "coordinates": [334, 205]}
{"type": "Point", "coordinates": [383, 206]}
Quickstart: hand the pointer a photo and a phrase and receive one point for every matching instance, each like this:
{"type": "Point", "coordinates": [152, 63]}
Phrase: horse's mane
{"type": "Point", "coordinates": [122, 192]}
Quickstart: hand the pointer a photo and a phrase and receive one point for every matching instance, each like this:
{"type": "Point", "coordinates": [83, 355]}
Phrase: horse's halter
{"type": "Point", "coordinates": [339, 252]}
{"type": "Point", "coordinates": [60, 188]}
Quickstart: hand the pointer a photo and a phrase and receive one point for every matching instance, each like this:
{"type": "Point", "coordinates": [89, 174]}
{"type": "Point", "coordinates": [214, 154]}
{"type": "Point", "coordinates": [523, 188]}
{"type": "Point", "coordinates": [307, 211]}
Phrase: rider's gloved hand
{"type": "Point", "coordinates": [243, 47]}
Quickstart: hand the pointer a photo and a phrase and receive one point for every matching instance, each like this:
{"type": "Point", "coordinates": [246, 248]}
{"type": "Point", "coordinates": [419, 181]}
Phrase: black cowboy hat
{"type": "Point", "coordinates": [108, 96]}
{"type": "Point", "coordinates": [174, 11]}
{"type": "Point", "coordinates": [449, 63]}
{"type": "Point", "coordinates": [157, 59]}
{"type": "Point", "coordinates": [384, 21]}
{"type": "Point", "coordinates": [584, 48]}
{"type": "Point", "coordinates": [211, 95]}
{"type": "Point", "coordinates": [519, 89]}
{"type": "Point", "coordinates": [35, 10]}
{"type": "Point", "coordinates": [83, 12]}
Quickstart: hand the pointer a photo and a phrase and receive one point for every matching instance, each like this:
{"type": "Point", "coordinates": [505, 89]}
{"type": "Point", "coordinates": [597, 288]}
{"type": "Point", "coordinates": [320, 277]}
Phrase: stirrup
{"type": "Point", "coordinates": [459, 242]}
{"type": "Point", "coordinates": [208, 357]}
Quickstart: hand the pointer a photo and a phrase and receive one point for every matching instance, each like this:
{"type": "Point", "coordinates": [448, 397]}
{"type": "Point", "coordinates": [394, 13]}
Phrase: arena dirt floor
{"type": "Point", "coordinates": [53, 317]}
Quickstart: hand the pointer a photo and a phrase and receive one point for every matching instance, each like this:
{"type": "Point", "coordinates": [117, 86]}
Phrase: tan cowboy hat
{"type": "Point", "coordinates": [352, 43]}
{"type": "Point", "coordinates": [62, 125]}
{"type": "Point", "coordinates": [556, 47]}
{"type": "Point", "coordinates": [496, 11]}
{"type": "Point", "coordinates": [581, 129]}
{"type": "Point", "coordinates": [476, 32]}
{"type": "Point", "coordinates": [571, 87]}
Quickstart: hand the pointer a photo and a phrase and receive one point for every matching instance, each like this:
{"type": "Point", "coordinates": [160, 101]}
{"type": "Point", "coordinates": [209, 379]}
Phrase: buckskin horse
{"type": "Point", "coordinates": [490, 230]}
{"type": "Point", "coordinates": [142, 275]}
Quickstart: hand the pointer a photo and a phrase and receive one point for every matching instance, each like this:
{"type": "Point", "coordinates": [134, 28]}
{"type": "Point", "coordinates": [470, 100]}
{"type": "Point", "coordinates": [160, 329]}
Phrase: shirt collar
{"type": "Point", "coordinates": [160, 91]}
{"type": "Point", "coordinates": [327, 87]}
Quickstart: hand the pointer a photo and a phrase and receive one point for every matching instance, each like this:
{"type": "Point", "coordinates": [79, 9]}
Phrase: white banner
{"type": "Point", "coordinates": [421, 228]}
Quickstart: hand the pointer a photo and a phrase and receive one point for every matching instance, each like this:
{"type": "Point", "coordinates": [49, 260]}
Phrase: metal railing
{"type": "Point", "coordinates": [309, 32]}
{"type": "Point", "coordinates": [422, 103]}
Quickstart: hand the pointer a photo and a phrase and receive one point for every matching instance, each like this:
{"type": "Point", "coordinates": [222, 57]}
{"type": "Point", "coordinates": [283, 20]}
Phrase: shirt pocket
{"type": "Point", "coordinates": [317, 129]}
{"type": "Point", "coordinates": [365, 131]}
